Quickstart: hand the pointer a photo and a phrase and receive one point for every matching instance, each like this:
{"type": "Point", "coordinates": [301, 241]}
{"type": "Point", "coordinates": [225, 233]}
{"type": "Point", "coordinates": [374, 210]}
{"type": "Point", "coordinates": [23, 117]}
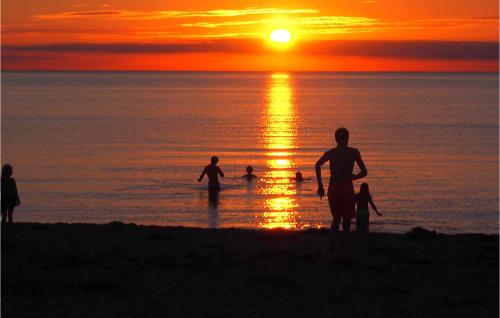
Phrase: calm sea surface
{"type": "Point", "coordinates": [98, 147]}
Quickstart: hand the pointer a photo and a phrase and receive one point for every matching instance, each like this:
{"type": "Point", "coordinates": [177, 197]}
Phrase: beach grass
{"type": "Point", "coordinates": [126, 270]}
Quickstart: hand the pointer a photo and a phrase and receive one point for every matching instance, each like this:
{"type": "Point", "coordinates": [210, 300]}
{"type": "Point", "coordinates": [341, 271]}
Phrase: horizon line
{"type": "Point", "coordinates": [235, 71]}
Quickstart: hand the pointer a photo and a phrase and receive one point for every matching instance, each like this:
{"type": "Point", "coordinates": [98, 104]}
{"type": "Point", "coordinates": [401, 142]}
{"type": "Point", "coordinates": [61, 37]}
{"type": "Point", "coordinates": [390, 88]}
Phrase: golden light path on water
{"type": "Point", "coordinates": [280, 139]}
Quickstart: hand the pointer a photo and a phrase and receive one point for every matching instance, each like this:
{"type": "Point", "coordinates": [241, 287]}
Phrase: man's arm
{"type": "Point", "coordinates": [321, 161]}
{"type": "Point", "coordinates": [219, 171]}
{"type": "Point", "coordinates": [363, 172]}
{"type": "Point", "coordinates": [373, 206]}
{"type": "Point", "coordinates": [202, 174]}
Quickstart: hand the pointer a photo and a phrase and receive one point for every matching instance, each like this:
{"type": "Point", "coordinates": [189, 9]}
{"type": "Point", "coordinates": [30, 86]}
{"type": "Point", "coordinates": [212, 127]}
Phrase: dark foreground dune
{"type": "Point", "coordinates": [120, 270]}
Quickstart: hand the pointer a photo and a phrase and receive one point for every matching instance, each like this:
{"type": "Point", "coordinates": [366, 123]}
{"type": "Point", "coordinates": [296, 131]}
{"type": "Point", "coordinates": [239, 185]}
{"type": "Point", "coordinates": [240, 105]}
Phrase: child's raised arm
{"type": "Point", "coordinates": [202, 174]}
{"type": "Point", "coordinates": [373, 206]}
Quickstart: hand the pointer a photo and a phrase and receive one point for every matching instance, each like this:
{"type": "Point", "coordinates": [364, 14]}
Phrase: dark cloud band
{"type": "Point", "coordinates": [391, 49]}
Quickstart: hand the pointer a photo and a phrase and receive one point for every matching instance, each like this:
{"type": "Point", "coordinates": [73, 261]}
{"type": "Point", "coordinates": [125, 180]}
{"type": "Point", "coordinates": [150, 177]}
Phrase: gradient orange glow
{"type": "Point", "coordinates": [343, 35]}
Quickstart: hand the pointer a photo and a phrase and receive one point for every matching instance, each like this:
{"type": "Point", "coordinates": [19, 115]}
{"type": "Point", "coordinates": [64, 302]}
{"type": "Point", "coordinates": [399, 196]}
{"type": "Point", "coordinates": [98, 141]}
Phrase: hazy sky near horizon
{"type": "Point", "coordinates": [343, 35]}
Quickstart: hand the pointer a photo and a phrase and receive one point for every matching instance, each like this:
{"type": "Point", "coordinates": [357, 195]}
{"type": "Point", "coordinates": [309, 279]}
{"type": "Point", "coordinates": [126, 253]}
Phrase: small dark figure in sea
{"type": "Point", "coordinates": [298, 176]}
{"type": "Point", "coordinates": [362, 213]}
{"type": "Point", "coordinates": [10, 197]}
{"type": "Point", "coordinates": [249, 176]}
{"type": "Point", "coordinates": [212, 171]}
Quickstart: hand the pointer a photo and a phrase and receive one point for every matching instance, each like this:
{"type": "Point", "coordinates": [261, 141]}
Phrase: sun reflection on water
{"type": "Point", "coordinates": [280, 139]}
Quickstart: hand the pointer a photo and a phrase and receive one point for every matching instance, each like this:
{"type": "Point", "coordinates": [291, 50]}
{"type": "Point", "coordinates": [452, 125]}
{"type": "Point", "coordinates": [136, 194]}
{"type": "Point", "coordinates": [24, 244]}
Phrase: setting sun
{"type": "Point", "coordinates": [280, 36]}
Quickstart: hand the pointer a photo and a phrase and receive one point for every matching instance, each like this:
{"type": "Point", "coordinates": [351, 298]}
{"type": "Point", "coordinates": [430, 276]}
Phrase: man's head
{"type": "Point", "coordinates": [342, 136]}
{"type": "Point", "coordinates": [214, 160]}
{"type": "Point", "coordinates": [6, 170]}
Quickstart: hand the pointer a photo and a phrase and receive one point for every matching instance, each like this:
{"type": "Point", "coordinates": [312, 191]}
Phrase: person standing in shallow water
{"type": "Point", "coordinates": [212, 171]}
{"type": "Point", "coordinates": [10, 197]}
{"type": "Point", "coordinates": [340, 189]}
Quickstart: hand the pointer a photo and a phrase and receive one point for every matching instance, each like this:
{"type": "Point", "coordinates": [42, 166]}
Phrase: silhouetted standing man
{"type": "Point", "coordinates": [340, 189]}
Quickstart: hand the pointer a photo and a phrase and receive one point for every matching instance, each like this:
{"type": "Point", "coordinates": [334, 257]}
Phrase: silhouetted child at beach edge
{"type": "Point", "coordinates": [212, 171]}
{"type": "Point", "coordinates": [10, 197]}
{"type": "Point", "coordinates": [362, 213]}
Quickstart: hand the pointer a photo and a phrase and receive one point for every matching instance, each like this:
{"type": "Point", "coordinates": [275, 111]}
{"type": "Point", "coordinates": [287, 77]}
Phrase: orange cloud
{"type": "Point", "coordinates": [153, 15]}
{"type": "Point", "coordinates": [232, 23]}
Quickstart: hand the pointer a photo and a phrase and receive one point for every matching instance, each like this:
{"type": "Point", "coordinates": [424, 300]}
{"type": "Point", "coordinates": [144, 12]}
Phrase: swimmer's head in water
{"type": "Point", "coordinates": [214, 160]}
{"type": "Point", "coordinates": [249, 169]}
{"type": "Point", "coordinates": [298, 175]}
{"type": "Point", "coordinates": [342, 136]}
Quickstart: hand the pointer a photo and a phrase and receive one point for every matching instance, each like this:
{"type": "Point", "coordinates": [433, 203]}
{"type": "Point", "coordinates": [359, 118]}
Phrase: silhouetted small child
{"type": "Point", "coordinates": [213, 172]}
{"type": "Point", "coordinates": [362, 214]}
{"type": "Point", "coordinates": [249, 176]}
{"type": "Point", "coordinates": [10, 197]}
{"type": "Point", "coordinates": [298, 176]}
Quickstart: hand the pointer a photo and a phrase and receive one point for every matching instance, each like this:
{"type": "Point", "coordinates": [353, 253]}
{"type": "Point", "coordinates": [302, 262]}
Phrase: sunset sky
{"type": "Point", "coordinates": [327, 35]}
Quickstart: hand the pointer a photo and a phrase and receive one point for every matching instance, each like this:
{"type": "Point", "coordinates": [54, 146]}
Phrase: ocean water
{"type": "Point", "coordinates": [129, 146]}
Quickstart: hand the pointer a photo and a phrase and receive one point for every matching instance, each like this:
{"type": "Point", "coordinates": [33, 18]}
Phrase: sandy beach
{"type": "Point", "coordinates": [125, 270]}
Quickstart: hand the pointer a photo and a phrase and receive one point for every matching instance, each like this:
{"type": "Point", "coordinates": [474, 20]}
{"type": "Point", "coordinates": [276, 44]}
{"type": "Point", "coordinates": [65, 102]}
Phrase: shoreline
{"type": "Point", "coordinates": [118, 269]}
{"type": "Point", "coordinates": [375, 227]}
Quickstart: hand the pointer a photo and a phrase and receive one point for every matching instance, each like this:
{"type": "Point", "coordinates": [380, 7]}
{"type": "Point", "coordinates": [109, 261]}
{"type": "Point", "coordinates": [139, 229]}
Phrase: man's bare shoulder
{"type": "Point", "coordinates": [353, 150]}
{"type": "Point", "coordinates": [333, 151]}
{"type": "Point", "coordinates": [330, 152]}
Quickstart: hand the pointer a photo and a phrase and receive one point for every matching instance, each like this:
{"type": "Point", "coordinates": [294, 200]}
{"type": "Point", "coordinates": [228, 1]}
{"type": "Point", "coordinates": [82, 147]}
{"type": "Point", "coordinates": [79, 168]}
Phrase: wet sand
{"type": "Point", "coordinates": [125, 270]}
